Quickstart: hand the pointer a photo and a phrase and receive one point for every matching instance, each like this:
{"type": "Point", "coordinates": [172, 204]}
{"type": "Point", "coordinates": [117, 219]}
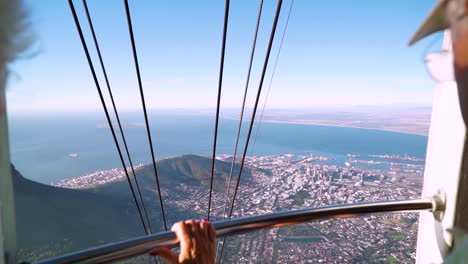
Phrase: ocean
{"type": "Point", "coordinates": [51, 147]}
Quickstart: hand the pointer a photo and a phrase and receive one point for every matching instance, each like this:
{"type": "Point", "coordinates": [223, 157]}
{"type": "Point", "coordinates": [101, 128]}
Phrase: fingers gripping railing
{"type": "Point", "coordinates": [142, 245]}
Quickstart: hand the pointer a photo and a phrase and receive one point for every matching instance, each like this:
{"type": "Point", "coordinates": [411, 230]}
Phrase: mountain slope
{"type": "Point", "coordinates": [190, 170]}
{"type": "Point", "coordinates": [53, 220]}
{"type": "Point", "coordinates": [47, 215]}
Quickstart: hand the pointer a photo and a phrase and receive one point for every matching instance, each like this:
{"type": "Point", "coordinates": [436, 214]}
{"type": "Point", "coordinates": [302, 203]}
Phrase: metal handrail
{"type": "Point", "coordinates": [142, 245]}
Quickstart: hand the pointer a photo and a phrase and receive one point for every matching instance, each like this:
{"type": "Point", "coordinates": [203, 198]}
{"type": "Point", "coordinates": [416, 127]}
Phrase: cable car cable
{"type": "Point", "coordinates": [88, 57]}
{"type": "Point", "coordinates": [98, 50]}
{"type": "Point", "coordinates": [226, 199]}
{"type": "Point", "coordinates": [262, 78]}
{"type": "Point", "coordinates": [243, 106]}
{"type": "Point", "coordinates": [218, 104]}
{"type": "Point", "coordinates": [259, 123]}
{"type": "Point", "coordinates": [148, 132]}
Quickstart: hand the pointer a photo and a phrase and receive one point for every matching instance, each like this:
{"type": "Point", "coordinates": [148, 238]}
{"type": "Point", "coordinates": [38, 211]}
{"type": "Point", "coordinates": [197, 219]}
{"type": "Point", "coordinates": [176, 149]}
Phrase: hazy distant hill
{"type": "Point", "coordinates": [398, 118]}
{"type": "Point", "coordinates": [52, 219]}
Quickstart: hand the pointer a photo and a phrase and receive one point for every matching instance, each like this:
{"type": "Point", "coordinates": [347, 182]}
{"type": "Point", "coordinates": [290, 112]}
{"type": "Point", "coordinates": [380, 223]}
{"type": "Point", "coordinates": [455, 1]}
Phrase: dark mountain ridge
{"type": "Point", "coordinates": [47, 216]}
{"type": "Point", "coordinates": [191, 170]}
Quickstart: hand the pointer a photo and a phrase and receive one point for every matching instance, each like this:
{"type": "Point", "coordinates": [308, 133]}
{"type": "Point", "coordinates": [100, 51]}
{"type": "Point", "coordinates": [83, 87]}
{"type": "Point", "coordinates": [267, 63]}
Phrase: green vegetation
{"type": "Point", "coordinates": [397, 236]}
{"type": "Point", "coordinates": [299, 197]}
{"type": "Point", "coordinates": [320, 226]}
{"type": "Point", "coordinates": [300, 230]}
{"type": "Point", "coordinates": [393, 221]}
{"type": "Point", "coordinates": [391, 258]}
{"type": "Point", "coordinates": [233, 245]}
{"type": "Point", "coordinates": [181, 210]}
{"type": "Point", "coordinates": [190, 169]}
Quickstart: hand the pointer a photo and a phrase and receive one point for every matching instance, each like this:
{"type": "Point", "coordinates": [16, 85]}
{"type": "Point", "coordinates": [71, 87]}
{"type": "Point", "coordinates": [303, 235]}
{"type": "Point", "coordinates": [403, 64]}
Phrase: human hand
{"type": "Point", "coordinates": [197, 243]}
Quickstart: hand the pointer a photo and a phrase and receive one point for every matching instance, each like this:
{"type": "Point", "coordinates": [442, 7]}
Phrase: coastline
{"type": "Point", "coordinates": [346, 126]}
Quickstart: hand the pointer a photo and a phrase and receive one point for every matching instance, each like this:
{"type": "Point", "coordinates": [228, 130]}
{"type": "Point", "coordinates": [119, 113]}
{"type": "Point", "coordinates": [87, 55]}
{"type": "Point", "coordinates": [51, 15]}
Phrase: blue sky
{"type": "Point", "coordinates": [336, 53]}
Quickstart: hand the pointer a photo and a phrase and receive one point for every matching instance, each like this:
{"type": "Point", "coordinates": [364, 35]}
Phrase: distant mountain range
{"type": "Point", "coordinates": [53, 220]}
{"type": "Point", "coordinates": [405, 118]}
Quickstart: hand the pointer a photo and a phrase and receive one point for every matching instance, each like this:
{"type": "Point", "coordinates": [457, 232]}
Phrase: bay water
{"type": "Point", "coordinates": [51, 147]}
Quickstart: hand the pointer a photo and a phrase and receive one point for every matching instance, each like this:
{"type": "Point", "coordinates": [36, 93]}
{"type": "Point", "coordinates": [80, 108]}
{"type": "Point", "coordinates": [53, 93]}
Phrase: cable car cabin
{"type": "Point", "coordinates": [295, 189]}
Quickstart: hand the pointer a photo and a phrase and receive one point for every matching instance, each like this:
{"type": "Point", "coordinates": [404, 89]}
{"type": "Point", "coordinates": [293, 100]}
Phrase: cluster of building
{"type": "Point", "coordinates": [93, 179]}
{"type": "Point", "coordinates": [398, 157]}
{"type": "Point", "coordinates": [286, 182]}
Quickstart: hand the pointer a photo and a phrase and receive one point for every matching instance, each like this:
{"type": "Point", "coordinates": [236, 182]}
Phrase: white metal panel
{"type": "Point", "coordinates": [443, 165]}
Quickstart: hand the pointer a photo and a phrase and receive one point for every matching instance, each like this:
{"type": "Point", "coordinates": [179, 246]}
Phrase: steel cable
{"type": "Point", "coordinates": [218, 104]}
{"type": "Point", "coordinates": [252, 54]}
{"type": "Point", "coordinates": [262, 78]}
{"type": "Point", "coordinates": [142, 96]}
{"type": "Point", "coordinates": [90, 63]}
{"type": "Point", "coordinates": [259, 123]}
{"type": "Point", "coordinates": [243, 106]}
{"type": "Point", "coordinates": [116, 113]}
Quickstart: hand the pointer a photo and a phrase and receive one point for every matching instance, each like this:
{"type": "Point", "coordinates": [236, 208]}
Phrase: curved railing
{"type": "Point", "coordinates": [142, 245]}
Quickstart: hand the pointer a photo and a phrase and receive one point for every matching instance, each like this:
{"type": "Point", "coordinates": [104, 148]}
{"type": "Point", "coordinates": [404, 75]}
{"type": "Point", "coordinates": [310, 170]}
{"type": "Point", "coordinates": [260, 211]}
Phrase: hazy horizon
{"type": "Point", "coordinates": [398, 107]}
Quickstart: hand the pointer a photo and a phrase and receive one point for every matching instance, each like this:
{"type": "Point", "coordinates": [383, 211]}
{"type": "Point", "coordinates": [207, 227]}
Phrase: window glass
{"type": "Point", "coordinates": [342, 117]}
